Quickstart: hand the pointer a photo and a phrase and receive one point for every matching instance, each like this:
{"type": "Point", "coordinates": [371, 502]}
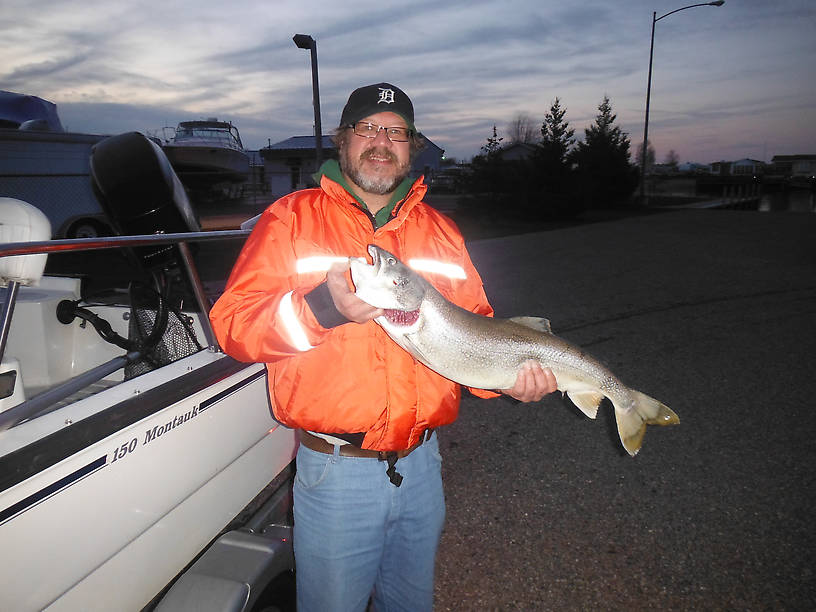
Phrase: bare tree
{"type": "Point", "coordinates": [672, 159]}
{"type": "Point", "coordinates": [650, 157]}
{"type": "Point", "coordinates": [522, 129]}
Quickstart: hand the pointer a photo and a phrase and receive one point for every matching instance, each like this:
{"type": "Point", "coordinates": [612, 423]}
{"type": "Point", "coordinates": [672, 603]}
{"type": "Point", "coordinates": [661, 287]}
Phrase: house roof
{"type": "Point", "coordinates": [517, 150]}
{"type": "Point", "coordinates": [431, 144]}
{"type": "Point", "coordinates": [791, 158]}
{"type": "Point", "coordinates": [299, 143]}
{"type": "Point", "coordinates": [527, 146]}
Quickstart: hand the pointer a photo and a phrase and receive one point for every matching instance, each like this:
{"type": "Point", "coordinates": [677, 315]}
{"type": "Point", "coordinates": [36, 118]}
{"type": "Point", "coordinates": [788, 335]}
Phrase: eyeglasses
{"type": "Point", "coordinates": [366, 129]}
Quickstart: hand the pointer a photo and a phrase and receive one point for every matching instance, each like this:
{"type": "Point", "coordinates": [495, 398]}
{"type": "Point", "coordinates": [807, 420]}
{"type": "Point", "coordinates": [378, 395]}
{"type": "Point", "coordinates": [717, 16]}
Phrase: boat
{"type": "Point", "coordinates": [140, 466]}
{"type": "Point", "coordinates": [42, 164]}
{"type": "Point", "coordinates": [208, 152]}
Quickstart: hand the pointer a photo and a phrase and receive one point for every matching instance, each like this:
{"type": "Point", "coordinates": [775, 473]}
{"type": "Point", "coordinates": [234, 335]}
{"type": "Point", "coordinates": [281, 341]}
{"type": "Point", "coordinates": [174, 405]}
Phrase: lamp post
{"type": "Point", "coordinates": [304, 41]}
{"type": "Point", "coordinates": [655, 19]}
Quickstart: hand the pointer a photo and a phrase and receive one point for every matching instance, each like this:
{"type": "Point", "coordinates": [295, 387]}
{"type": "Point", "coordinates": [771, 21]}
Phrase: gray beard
{"type": "Point", "coordinates": [375, 185]}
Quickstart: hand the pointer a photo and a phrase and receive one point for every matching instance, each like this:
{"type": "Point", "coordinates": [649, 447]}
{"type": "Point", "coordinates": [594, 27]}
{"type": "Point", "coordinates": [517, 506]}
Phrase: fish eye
{"type": "Point", "coordinates": [391, 261]}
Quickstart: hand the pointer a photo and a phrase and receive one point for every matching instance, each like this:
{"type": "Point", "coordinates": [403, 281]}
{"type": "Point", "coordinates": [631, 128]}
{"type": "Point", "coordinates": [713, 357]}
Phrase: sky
{"type": "Point", "coordinates": [728, 82]}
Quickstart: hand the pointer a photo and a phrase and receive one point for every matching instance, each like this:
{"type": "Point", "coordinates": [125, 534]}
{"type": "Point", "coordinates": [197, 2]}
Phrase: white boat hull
{"type": "Point", "coordinates": [208, 163]}
{"type": "Point", "coordinates": [133, 452]}
{"type": "Point", "coordinates": [137, 505]}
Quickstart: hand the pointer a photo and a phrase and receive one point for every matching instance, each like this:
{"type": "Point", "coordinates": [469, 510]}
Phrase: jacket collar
{"type": "Point", "coordinates": [404, 198]}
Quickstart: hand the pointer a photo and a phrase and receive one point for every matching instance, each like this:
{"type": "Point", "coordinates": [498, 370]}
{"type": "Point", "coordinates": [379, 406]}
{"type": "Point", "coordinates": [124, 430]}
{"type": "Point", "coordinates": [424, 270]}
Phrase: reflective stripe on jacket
{"type": "Point", "coordinates": [351, 378]}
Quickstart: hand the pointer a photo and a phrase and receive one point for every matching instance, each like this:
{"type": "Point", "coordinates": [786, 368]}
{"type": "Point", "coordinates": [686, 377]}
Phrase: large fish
{"type": "Point", "coordinates": [487, 353]}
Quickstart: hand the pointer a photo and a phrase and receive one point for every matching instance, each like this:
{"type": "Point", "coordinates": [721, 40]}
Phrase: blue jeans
{"type": "Point", "coordinates": [357, 535]}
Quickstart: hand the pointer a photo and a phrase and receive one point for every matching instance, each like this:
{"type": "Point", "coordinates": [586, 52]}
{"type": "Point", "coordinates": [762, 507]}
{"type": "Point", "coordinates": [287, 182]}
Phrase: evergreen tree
{"type": "Point", "coordinates": [556, 135]}
{"type": "Point", "coordinates": [488, 183]}
{"type": "Point", "coordinates": [493, 144]}
{"type": "Point", "coordinates": [606, 177]}
{"type": "Point", "coordinates": [553, 166]}
{"type": "Point", "coordinates": [487, 168]}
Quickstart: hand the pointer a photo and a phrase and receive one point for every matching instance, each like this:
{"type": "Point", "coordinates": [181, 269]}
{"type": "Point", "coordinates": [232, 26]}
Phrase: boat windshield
{"type": "Point", "coordinates": [225, 135]}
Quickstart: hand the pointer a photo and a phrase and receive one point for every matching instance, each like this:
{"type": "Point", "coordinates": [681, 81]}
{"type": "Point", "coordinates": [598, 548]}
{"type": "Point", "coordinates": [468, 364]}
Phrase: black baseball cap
{"type": "Point", "coordinates": [378, 98]}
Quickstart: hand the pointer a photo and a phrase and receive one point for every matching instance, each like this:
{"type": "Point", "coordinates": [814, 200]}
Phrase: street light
{"type": "Point", "coordinates": [655, 19]}
{"type": "Point", "coordinates": [304, 41]}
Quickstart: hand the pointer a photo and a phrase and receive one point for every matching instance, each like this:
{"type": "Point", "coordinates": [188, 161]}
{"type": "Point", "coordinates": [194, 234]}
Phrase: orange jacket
{"type": "Point", "coordinates": [349, 378]}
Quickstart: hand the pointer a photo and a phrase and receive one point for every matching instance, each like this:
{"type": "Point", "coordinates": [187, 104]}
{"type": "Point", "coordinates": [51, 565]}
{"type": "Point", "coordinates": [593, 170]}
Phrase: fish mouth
{"type": "Point", "coordinates": [401, 318]}
{"type": "Point", "coordinates": [376, 262]}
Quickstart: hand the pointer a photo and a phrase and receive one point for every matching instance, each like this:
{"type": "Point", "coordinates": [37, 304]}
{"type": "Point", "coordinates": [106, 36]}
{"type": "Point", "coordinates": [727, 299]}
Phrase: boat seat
{"type": "Point", "coordinates": [19, 222]}
{"type": "Point", "coordinates": [22, 222]}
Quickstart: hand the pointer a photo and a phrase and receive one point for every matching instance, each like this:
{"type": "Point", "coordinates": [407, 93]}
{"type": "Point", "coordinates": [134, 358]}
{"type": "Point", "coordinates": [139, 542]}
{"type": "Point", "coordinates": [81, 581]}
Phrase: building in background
{"type": "Point", "coordinates": [517, 151]}
{"type": "Point", "coordinates": [794, 165]}
{"type": "Point", "coordinates": [747, 167]}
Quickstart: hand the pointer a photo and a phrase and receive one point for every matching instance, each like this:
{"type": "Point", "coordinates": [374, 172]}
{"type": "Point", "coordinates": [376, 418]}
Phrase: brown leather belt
{"type": "Point", "coordinates": [320, 445]}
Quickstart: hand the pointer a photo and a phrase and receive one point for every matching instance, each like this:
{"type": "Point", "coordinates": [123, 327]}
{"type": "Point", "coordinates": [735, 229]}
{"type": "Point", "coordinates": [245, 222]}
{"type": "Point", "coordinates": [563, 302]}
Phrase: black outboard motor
{"type": "Point", "coordinates": [141, 193]}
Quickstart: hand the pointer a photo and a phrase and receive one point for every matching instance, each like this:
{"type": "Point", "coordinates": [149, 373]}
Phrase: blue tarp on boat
{"type": "Point", "coordinates": [17, 109]}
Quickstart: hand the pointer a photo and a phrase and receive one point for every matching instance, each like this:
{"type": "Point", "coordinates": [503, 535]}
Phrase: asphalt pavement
{"type": "Point", "coordinates": [712, 312]}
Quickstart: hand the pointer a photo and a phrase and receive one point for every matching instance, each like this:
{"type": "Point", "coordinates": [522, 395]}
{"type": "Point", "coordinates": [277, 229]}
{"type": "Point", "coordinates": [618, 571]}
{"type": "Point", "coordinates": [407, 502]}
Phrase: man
{"type": "Point", "coordinates": [369, 505]}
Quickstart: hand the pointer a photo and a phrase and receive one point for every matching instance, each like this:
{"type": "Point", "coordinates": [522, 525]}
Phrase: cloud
{"type": "Point", "coordinates": [467, 65]}
{"type": "Point", "coordinates": [47, 68]}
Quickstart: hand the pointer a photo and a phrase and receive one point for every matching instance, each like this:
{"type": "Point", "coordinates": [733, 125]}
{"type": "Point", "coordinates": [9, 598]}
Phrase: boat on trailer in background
{"type": "Point", "coordinates": [140, 466]}
{"type": "Point", "coordinates": [208, 152]}
{"type": "Point", "coordinates": [42, 164]}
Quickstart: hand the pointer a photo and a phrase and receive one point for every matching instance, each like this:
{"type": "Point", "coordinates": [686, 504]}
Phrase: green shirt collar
{"type": "Point", "coordinates": [331, 169]}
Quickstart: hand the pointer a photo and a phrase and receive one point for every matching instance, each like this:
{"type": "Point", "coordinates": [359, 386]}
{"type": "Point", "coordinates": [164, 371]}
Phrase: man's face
{"type": "Point", "coordinates": [376, 165]}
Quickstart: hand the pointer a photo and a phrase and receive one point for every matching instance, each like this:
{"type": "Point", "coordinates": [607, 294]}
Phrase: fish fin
{"type": "Point", "coordinates": [413, 349]}
{"type": "Point", "coordinates": [632, 423]}
{"type": "Point", "coordinates": [586, 401]}
{"type": "Point", "coordinates": [537, 323]}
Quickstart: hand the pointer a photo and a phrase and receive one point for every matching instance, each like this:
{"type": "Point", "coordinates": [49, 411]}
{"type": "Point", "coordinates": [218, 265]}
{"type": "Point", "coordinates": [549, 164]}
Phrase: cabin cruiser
{"type": "Point", "coordinates": [208, 151]}
{"type": "Point", "coordinates": [140, 466]}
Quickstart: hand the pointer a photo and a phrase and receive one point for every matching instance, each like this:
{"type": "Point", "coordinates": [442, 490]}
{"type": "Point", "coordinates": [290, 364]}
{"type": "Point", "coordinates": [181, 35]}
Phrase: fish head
{"type": "Point", "coordinates": [387, 282]}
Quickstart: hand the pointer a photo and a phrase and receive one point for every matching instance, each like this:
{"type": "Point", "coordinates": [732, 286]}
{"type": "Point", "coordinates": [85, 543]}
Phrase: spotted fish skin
{"type": "Point", "coordinates": [487, 352]}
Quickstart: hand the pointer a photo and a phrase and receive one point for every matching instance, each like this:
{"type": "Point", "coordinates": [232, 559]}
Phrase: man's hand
{"type": "Point", "coordinates": [348, 304]}
{"type": "Point", "coordinates": [533, 383]}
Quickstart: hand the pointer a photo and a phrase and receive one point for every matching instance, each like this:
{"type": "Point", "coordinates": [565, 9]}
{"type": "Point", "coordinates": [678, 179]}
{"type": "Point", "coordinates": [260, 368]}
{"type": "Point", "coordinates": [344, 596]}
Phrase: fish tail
{"type": "Point", "coordinates": [644, 411]}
